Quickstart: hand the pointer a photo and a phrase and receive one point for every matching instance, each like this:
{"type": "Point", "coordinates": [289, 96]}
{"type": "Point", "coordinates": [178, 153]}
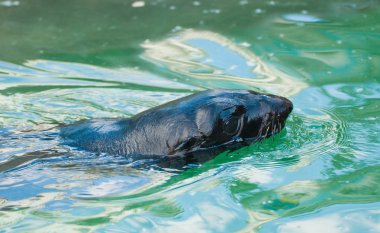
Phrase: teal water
{"type": "Point", "coordinates": [62, 61]}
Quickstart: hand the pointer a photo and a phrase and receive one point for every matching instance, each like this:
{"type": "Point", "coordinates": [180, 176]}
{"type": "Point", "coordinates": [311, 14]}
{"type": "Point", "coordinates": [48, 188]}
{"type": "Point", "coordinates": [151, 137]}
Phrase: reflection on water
{"type": "Point", "coordinates": [69, 87]}
{"type": "Point", "coordinates": [210, 60]}
{"type": "Point", "coordinates": [62, 62]}
{"type": "Point", "coordinates": [347, 217]}
{"type": "Point", "coordinates": [302, 18]}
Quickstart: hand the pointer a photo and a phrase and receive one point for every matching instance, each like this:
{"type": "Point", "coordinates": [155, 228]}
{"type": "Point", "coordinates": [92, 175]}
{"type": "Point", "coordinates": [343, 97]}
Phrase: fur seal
{"type": "Point", "coordinates": [192, 129]}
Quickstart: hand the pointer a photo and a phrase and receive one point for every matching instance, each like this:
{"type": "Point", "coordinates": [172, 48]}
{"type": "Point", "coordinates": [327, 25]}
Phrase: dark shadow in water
{"type": "Point", "coordinates": [28, 159]}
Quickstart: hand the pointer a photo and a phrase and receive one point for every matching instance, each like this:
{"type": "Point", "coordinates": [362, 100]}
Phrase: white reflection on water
{"type": "Point", "coordinates": [249, 173]}
{"type": "Point", "coordinates": [302, 18]}
{"type": "Point", "coordinates": [68, 73]}
{"type": "Point", "coordinates": [210, 60]}
{"type": "Point", "coordinates": [44, 92]}
{"type": "Point", "coordinates": [337, 219]}
{"type": "Point", "coordinates": [9, 3]}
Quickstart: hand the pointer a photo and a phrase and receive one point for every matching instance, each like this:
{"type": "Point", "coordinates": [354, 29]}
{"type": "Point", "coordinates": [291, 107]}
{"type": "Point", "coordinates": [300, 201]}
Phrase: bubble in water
{"type": "Point", "coordinates": [138, 4]}
{"type": "Point", "coordinates": [176, 29]}
{"type": "Point", "coordinates": [245, 44]}
{"type": "Point", "coordinates": [258, 11]}
{"type": "Point", "coordinates": [196, 3]}
{"type": "Point", "coordinates": [215, 11]}
{"type": "Point", "coordinates": [243, 2]}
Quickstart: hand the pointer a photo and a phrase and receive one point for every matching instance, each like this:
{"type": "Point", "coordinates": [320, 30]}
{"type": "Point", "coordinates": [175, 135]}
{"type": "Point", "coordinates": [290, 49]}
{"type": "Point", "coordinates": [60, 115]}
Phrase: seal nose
{"type": "Point", "coordinates": [287, 107]}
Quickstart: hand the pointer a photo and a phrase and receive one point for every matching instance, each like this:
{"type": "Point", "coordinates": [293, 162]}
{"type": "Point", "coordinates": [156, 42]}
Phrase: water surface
{"type": "Point", "coordinates": [62, 61]}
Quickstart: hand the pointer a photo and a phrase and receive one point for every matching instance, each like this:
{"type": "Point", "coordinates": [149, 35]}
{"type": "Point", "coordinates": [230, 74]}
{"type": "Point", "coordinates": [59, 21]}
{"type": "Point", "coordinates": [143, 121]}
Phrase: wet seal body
{"type": "Point", "coordinates": [192, 129]}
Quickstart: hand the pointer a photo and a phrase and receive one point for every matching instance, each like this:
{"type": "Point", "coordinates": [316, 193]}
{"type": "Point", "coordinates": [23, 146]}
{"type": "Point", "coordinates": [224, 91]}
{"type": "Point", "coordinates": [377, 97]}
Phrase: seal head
{"type": "Point", "coordinates": [230, 119]}
{"type": "Point", "coordinates": [196, 127]}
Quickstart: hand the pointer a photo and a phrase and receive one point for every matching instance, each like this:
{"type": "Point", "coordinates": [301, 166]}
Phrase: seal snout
{"type": "Point", "coordinates": [279, 104]}
{"type": "Point", "coordinates": [288, 105]}
{"type": "Point", "coordinates": [284, 108]}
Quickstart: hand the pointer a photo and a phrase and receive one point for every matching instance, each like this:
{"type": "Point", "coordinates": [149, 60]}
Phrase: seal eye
{"type": "Point", "coordinates": [232, 125]}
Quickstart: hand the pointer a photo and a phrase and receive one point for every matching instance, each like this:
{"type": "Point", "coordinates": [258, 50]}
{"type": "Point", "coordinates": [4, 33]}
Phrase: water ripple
{"type": "Point", "coordinates": [71, 92]}
{"type": "Point", "coordinates": [307, 137]}
{"type": "Point", "coordinates": [210, 60]}
{"type": "Point", "coordinates": [327, 154]}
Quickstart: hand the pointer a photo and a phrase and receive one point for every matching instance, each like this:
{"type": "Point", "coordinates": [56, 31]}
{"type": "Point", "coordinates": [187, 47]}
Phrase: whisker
{"type": "Point", "coordinates": [272, 124]}
{"type": "Point", "coordinates": [266, 134]}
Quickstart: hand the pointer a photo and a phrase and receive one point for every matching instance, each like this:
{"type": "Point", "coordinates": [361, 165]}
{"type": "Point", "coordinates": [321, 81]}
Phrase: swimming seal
{"type": "Point", "coordinates": [192, 129]}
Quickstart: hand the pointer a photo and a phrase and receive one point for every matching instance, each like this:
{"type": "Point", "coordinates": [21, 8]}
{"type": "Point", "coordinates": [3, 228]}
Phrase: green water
{"type": "Point", "coordinates": [62, 61]}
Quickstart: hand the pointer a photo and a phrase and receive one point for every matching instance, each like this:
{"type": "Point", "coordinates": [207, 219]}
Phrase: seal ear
{"type": "Point", "coordinates": [205, 119]}
{"type": "Point", "coordinates": [207, 115]}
